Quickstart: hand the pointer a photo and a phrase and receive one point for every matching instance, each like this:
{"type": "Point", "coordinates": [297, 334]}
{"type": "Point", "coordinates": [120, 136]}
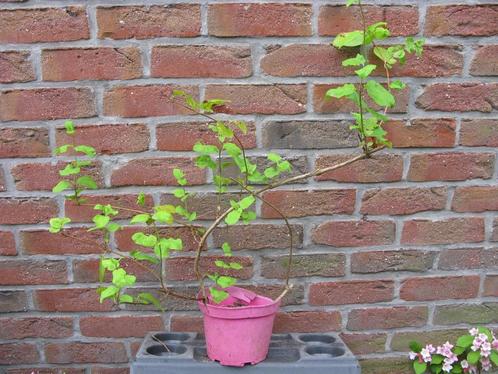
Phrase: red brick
{"type": "Point", "coordinates": [361, 344]}
{"type": "Point", "coordinates": [448, 231]}
{"type": "Point", "coordinates": [259, 19]}
{"type": "Point", "coordinates": [110, 370]}
{"type": "Point", "coordinates": [475, 199]}
{"type": "Point", "coordinates": [399, 260]}
{"type": "Point", "coordinates": [459, 97]}
{"type": "Point", "coordinates": [44, 176]}
{"type": "Point", "coordinates": [91, 64]}
{"type": "Point", "coordinates": [124, 242]}
{"type": "Point", "coordinates": [354, 233]}
{"type": "Point", "coordinates": [464, 20]}
{"type": "Point", "coordinates": [43, 25]}
{"type": "Point", "coordinates": [46, 104]}
{"type": "Point", "coordinates": [18, 353]}
{"type": "Point", "coordinates": [182, 136]}
{"type": "Point", "coordinates": [494, 234]}
{"type": "Point", "coordinates": [378, 168]}
{"type": "Point", "coordinates": [322, 104]}
{"type": "Point", "coordinates": [182, 268]}
{"type": "Point", "coordinates": [183, 323]}
{"type": "Point", "coordinates": [401, 340]}
{"type": "Point", "coordinates": [26, 210]}
{"type": "Point", "coordinates": [422, 133]}
{"type": "Point", "coordinates": [485, 61]}
{"type": "Point", "coordinates": [128, 101]}
{"type": "Point", "coordinates": [387, 318]}
{"type": "Point", "coordinates": [451, 166]}
{"type": "Point", "coordinates": [156, 172]}
{"type": "Point", "coordinates": [88, 270]}
{"type": "Point", "coordinates": [350, 292]}
{"type": "Point", "coordinates": [386, 365]}
{"type": "Point", "coordinates": [70, 241]}
{"type": "Point", "coordinates": [7, 244]}
{"type": "Point", "coordinates": [13, 301]}
{"type": "Point", "coordinates": [36, 327]}
{"type": "Point", "coordinates": [81, 353]}
{"type": "Point", "coordinates": [109, 139]}
{"type": "Point", "coordinates": [121, 326]}
{"type": "Point", "coordinates": [15, 66]}
{"type": "Point", "coordinates": [24, 142]}
{"type": "Point", "coordinates": [294, 203]}
{"type": "Point", "coordinates": [201, 61]}
{"type": "Point", "coordinates": [475, 258]}
{"type": "Point", "coordinates": [70, 300]}
{"type": "Point", "coordinates": [51, 370]}
{"type": "Point", "coordinates": [293, 297]}
{"type": "Point", "coordinates": [396, 201]}
{"type": "Point", "coordinates": [144, 22]}
{"type": "Point", "coordinates": [304, 60]}
{"type": "Point", "coordinates": [258, 236]}
{"type": "Point", "coordinates": [307, 321]}
{"type": "Point", "coordinates": [322, 265]}
{"type": "Point", "coordinates": [334, 19]}
{"type": "Point", "coordinates": [491, 286]}
{"type": "Point", "coordinates": [479, 132]}
{"type": "Point", "coordinates": [259, 99]}
{"type": "Point", "coordinates": [440, 288]}
{"type": "Point", "coordinates": [21, 272]}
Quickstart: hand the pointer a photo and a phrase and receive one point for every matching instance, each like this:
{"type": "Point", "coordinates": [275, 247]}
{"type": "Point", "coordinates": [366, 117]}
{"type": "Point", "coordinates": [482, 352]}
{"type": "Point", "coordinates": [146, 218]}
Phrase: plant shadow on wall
{"type": "Point", "coordinates": [217, 292]}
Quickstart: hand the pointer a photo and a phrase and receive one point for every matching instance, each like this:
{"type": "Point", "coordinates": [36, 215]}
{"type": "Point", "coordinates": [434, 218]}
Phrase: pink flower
{"type": "Point", "coordinates": [464, 364]}
{"type": "Point", "coordinates": [413, 355]}
{"type": "Point", "coordinates": [447, 367]}
{"type": "Point", "coordinates": [473, 331]}
{"type": "Point", "coordinates": [485, 349]}
{"type": "Point", "coordinates": [426, 355]}
{"type": "Point", "coordinates": [430, 348]}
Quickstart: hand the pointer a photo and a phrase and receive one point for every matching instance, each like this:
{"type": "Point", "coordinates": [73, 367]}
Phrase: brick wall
{"type": "Point", "coordinates": [392, 248]}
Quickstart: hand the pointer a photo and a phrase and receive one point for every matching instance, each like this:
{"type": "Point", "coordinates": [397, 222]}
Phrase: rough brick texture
{"type": "Point", "coordinates": [400, 246]}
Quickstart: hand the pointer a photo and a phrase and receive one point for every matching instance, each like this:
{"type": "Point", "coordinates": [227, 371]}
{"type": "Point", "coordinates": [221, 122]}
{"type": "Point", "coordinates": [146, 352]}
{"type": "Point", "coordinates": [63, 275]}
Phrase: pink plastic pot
{"type": "Point", "coordinates": [239, 335]}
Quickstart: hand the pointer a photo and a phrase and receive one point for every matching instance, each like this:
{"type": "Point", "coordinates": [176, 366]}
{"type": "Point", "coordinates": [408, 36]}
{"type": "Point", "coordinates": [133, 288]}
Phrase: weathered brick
{"type": "Point", "coordinates": [26, 210]}
{"type": "Point", "coordinates": [258, 236]}
{"type": "Point", "coordinates": [491, 286]}
{"type": "Point", "coordinates": [472, 258]}
{"type": "Point", "coordinates": [183, 322]}
{"type": "Point", "coordinates": [24, 142]}
{"type": "Point", "coordinates": [259, 19]}
{"type": "Point", "coordinates": [22, 272]}
{"type": "Point", "coordinates": [7, 244]}
{"type": "Point", "coordinates": [124, 242]}
{"type": "Point", "coordinates": [494, 234]}
{"type": "Point", "coordinates": [399, 260]}
{"type": "Point", "coordinates": [308, 134]}
{"type": "Point", "coordinates": [446, 231]}
{"type": "Point", "coordinates": [322, 104]}
{"type": "Point", "coordinates": [70, 300]}
{"type": "Point", "coordinates": [361, 344]}
{"type": "Point", "coordinates": [334, 19]}
{"type": "Point", "coordinates": [351, 292]}
{"type": "Point", "coordinates": [396, 201]}
{"type": "Point", "coordinates": [354, 233]}
{"type": "Point", "coordinates": [386, 365]}
{"type": "Point", "coordinates": [466, 313]}
{"type": "Point", "coordinates": [440, 288]}
{"type": "Point", "coordinates": [120, 326]}
{"type": "Point", "coordinates": [50, 370]}
{"type": "Point", "coordinates": [451, 166]}
{"type": "Point", "coordinates": [18, 353]}
{"type": "Point", "coordinates": [322, 265]}
{"type": "Point", "coordinates": [260, 98]}
{"type": "Point", "coordinates": [156, 172]}
{"type": "Point", "coordinates": [475, 199]}
{"type": "Point", "coordinates": [295, 203]}
{"type": "Point", "coordinates": [112, 370]}
{"type": "Point", "coordinates": [13, 301]}
{"type": "Point", "coordinates": [422, 133]}
{"type": "Point", "coordinates": [43, 242]}
{"type": "Point", "coordinates": [293, 297]}
{"type": "Point", "coordinates": [485, 61]}
{"type": "Point", "coordinates": [182, 136]}
{"type": "Point", "coordinates": [479, 132]}
{"type": "Point", "coordinates": [34, 25]}
{"type": "Point", "coordinates": [36, 327]}
{"type": "Point", "coordinates": [44, 176]}
{"type": "Point", "coordinates": [128, 101]}
{"type": "Point", "coordinates": [182, 268]}
{"type": "Point", "coordinates": [378, 168]}
{"type": "Point", "coordinates": [3, 184]}
{"type": "Point", "coordinates": [16, 66]}
{"type": "Point", "coordinates": [46, 104]}
{"type": "Point", "coordinates": [196, 61]}
{"type": "Point", "coordinates": [459, 97]}
{"type": "Point", "coordinates": [87, 270]}
{"type": "Point", "coordinates": [464, 20]}
{"type": "Point", "coordinates": [387, 318]}
{"type": "Point", "coordinates": [144, 22]}
{"type": "Point", "coordinates": [401, 340]}
{"type": "Point", "coordinates": [307, 321]}
{"type": "Point", "coordinates": [82, 352]}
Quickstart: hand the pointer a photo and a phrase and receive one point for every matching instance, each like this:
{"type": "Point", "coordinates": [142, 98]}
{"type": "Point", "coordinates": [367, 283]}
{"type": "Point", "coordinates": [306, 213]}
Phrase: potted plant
{"type": "Point", "coordinates": [237, 323]}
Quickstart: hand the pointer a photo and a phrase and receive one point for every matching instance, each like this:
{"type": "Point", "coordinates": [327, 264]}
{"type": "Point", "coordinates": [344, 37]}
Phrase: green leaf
{"type": "Point", "coordinates": [148, 298]}
{"type": "Point", "coordinates": [246, 202]}
{"type": "Point", "coordinates": [348, 39]}
{"type": "Point", "coordinates": [437, 359]}
{"type": "Point", "coordinates": [87, 181]}
{"type": "Point", "coordinates": [271, 172]}
{"type": "Point", "coordinates": [180, 177]}
{"type": "Point", "coordinates": [473, 357]}
{"type": "Point", "coordinates": [62, 149]}
{"type": "Point", "coordinates": [365, 71]}
{"type": "Point", "coordinates": [465, 341]}
{"type": "Point", "coordinates": [242, 126]}
{"type": "Point", "coordinates": [69, 125]}
{"type": "Point", "coordinates": [108, 293]}
{"type": "Point", "coordinates": [57, 224]}
{"type": "Point", "coordinates": [179, 193]}
{"type": "Point", "coordinates": [352, 2]}
{"type": "Point", "coordinates": [458, 350]}
{"type": "Point", "coordinates": [140, 218]}
{"type": "Point", "coordinates": [235, 266]}
{"type": "Point", "coordinates": [397, 85]}
{"type": "Point", "coordinates": [379, 94]}
{"type": "Point", "coordinates": [233, 217]}
{"type": "Point", "coordinates": [100, 221]}
{"type": "Point", "coordinates": [457, 369]}
{"type": "Point", "coordinates": [355, 61]}
{"type": "Point", "coordinates": [494, 357]}
{"type": "Point", "coordinates": [141, 199]}
{"type": "Point", "coordinates": [225, 281]}
{"type": "Point", "coordinates": [140, 256]}
{"type": "Point", "coordinates": [163, 216]}
{"type": "Point", "coordinates": [274, 157]}
{"type": "Point", "coordinates": [70, 169]}
{"type": "Point", "coordinates": [110, 264]}
{"type": "Point", "coordinates": [126, 299]}
{"type": "Point", "coordinates": [205, 149]}
{"type": "Point", "coordinates": [227, 250]}
{"type": "Point", "coordinates": [101, 270]}
{"type": "Point", "coordinates": [144, 240]}
{"type": "Point", "coordinates": [175, 244]}
{"type": "Point", "coordinates": [218, 295]}
{"type": "Point", "coordinates": [419, 367]}
{"type": "Point", "coordinates": [415, 346]}
{"type": "Point", "coordinates": [121, 279]}
{"type": "Point", "coordinates": [61, 186]}
{"type": "Point", "coordinates": [345, 90]}
{"type": "Point", "coordinates": [86, 149]}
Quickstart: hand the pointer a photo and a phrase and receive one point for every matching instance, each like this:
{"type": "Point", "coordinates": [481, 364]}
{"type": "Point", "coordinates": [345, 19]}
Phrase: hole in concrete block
{"type": "Point", "coordinates": [172, 336]}
{"type": "Point", "coordinates": [160, 350]}
{"type": "Point", "coordinates": [316, 338]}
{"type": "Point", "coordinates": [321, 350]}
